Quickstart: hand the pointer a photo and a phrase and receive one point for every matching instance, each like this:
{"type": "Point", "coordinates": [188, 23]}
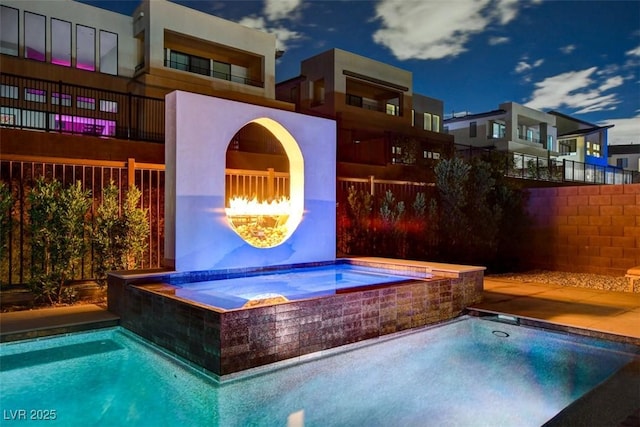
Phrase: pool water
{"type": "Point", "coordinates": [292, 284]}
{"type": "Point", "coordinates": [467, 372]}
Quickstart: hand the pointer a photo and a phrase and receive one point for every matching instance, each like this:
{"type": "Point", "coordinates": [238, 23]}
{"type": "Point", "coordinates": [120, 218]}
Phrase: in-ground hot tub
{"type": "Point", "coordinates": [207, 317]}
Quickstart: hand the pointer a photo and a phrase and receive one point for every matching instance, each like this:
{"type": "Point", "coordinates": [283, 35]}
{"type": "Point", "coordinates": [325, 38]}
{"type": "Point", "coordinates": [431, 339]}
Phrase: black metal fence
{"type": "Point", "coordinates": [20, 175]}
{"type": "Point", "coordinates": [36, 104]}
{"type": "Point", "coordinates": [525, 166]}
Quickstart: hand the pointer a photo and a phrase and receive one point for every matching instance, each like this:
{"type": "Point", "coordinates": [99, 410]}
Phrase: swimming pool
{"type": "Point", "coordinates": [288, 285]}
{"type": "Point", "coordinates": [466, 372]}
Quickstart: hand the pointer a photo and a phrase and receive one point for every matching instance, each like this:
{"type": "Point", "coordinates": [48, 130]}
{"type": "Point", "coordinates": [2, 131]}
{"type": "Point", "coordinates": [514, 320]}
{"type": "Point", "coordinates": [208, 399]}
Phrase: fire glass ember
{"type": "Point", "coordinates": [262, 224]}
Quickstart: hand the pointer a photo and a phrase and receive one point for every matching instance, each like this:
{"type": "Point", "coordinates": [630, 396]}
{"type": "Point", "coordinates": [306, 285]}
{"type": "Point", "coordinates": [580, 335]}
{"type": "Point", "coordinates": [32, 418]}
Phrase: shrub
{"type": "Point", "coordinates": [57, 222]}
{"type": "Point", "coordinates": [6, 203]}
{"type": "Point", "coordinates": [120, 235]}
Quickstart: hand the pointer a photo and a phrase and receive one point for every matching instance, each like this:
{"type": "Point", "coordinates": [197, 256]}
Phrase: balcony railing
{"type": "Point", "coordinates": [36, 104]}
{"type": "Point", "coordinates": [207, 71]}
{"type": "Point", "coordinates": [524, 166]}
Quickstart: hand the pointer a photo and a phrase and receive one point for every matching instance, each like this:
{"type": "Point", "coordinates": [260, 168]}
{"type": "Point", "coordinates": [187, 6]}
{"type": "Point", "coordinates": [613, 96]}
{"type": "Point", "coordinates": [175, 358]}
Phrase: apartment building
{"type": "Point", "coordinates": [94, 81]}
{"type": "Point", "coordinates": [382, 124]}
{"type": "Point", "coordinates": [511, 128]}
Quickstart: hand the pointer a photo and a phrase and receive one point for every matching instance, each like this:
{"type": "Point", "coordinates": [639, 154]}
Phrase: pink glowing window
{"type": "Point", "coordinates": [64, 99]}
{"type": "Point", "coordinates": [60, 42]}
{"type": "Point", "coordinates": [84, 125]}
{"type": "Point", "coordinates": [85, 48]}
{"type": "Point", "coordinates": [35, 95]}
{"type": "Point", "coordinates": [86, 103]}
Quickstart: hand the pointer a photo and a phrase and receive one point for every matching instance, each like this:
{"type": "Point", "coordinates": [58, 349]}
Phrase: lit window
{"type": "Point", "coordinates": [8, 30]}
{"type": "Point", "coordinates": [108, 52]}
{"type": "Point", "coordinates": [85, 48]}
{"type": "Point", "coordinates": [34, 36]}
{"type": "Point", "coordinates": [498, 130]}
{"type": "Point", "coordinates": [593, 149]}
{"type": "Point", "coordinates": [56, 98]}
{"type": "Point", "coordinates": [60, 42]}
{"type": "Point", "coordinates": [35, 95]}
{"type": "Point", "coordinates": [86, 103]}
{"type": "Point", "coordinates": [8, 91]}
{"type": "Point", "coordinates": [392, 110]}
{"type": "Point", "coordinates": [436, 123]}
{"type": "Point", "coordinates": [108, 106]}
{"type": "Point", "coordinates": [427, 121]}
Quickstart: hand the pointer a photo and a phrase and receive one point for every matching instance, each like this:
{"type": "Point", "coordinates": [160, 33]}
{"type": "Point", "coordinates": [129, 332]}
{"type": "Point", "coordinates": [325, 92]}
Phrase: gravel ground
{"type": "Point", "coordinates": [580, 280]}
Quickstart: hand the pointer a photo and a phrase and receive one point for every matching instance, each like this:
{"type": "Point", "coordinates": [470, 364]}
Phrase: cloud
{"type": "Point", "coordinates": [417, 29]}
{"type": "Point", "coordinates": [625, 131]}
{"type": "Point", "coordinates": [283, 35]}
{"type": "Point", "coordinates": [634, 52]}
{"type": "Point", "coordinates": [568, 48]}
{"type": "Point", "coordinates": [576, 90]}
{"type": "Point", "coordinates": [276, 10]}
{"type": "Point", "coordinates": [280, 9]}
{"type": "Point", "coordinates": [498, 40]}
{"type": "Point", "coordinates": [523, 66]}
{"type": "Point", "coordinates": [611, 83]}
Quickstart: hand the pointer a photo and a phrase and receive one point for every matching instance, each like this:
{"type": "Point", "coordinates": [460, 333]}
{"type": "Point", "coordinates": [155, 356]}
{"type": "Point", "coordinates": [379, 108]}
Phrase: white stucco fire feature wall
{"type": "Point", "coordinates": [197, 233]}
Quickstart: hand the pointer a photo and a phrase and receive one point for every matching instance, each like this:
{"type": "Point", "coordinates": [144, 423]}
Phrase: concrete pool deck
{"type": "Point", "coordinates": [612, 314]}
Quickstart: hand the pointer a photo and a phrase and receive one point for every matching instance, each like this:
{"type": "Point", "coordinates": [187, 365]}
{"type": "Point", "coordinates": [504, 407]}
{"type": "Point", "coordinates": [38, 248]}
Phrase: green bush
{"type": "Point", "coordinates": [58, 223]}
{"type": "Point", "coordinates": [120, 235]}
{"type": "Point", "coordinates": [6, 203]}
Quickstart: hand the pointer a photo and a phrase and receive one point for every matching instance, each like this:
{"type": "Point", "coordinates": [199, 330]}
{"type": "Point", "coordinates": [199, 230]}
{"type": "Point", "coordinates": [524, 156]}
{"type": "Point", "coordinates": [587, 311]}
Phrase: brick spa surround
{"type": "Point", "coordinates": [228, 341]}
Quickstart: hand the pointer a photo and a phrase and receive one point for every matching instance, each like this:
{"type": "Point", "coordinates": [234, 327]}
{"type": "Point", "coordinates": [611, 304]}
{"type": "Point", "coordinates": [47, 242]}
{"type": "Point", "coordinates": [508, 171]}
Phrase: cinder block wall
{"type": "Point", "coordinates": [589, 229]}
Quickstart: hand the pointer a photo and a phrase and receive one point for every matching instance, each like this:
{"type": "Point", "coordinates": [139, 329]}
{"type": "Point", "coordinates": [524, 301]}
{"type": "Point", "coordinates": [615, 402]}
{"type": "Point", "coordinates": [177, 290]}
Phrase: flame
{"type": "Point", "coordinates": [242, 206]}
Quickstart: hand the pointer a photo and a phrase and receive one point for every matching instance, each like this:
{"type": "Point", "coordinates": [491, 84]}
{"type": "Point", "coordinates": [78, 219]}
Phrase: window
{"type": "Point", "coordinates": [593, 149]}
{"type": "Point", "coordinates": [498, 130]}
{"type": "Point", "coordinates": [473, 129]}
{"type": "Point", "coordinates": [221, 70]}
{"type": "Point", "coordinates": [60, 42]}
{"type": "Point", "coordinates": [199, 65]}
{"type": "Point", "coordinates": [86, 103]}
{"type": "Point", "coordinates": [427, 121]}
{"type": "Point", "coordinates": [35, 95]}
{"type": "Point", "coordinates": [194, 64]}
{"type": "Point", "coordinates": [354, 100]}
{"type": "Point", "coordinates": [318, 94]}
{"type": "Point", "coordinates": [622, 163]}
{"type": "Point", "coordinates": [8, 30]}
{"type": "Point", "coordinates": [34, 36]}
{"type": "Point", "coordinates": [108, 52]}
{"type": "Point", "coordinates": [108, 106]}
{"type": "Point", "coordinates": [567, 146]}
{"type": "Point", "coordinates": [436, 123]}
{"type": "Point", "coordinates": [8, 91]}
{"type": "Point", "coordinates": [392, 110]}
{"type": "Point", "coordinates": [85, 48]}
{"type": "Point", "coordinates": [56, 99]}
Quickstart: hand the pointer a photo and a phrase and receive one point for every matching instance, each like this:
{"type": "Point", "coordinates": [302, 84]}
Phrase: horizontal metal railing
{"type": "Point", "coordinates": [525, 166]}
{"type": "Point", "coordinates": [46, 105]}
